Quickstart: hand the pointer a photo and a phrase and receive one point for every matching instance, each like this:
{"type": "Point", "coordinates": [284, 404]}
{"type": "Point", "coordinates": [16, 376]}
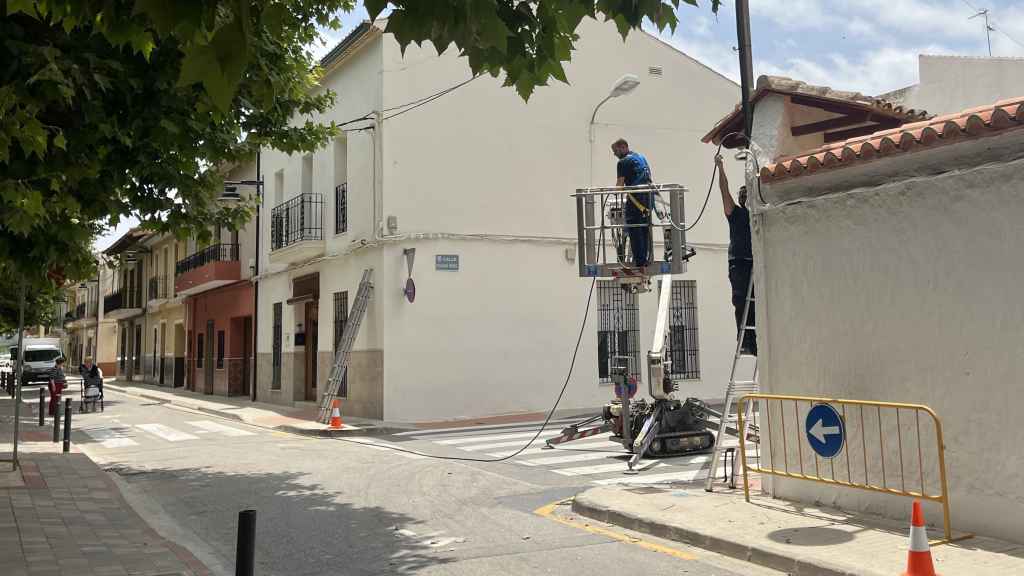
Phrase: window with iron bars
{"type": "Point", "coordinates": [340, 320]}
{"type": "Point", "coordinates": [684, 347]}
{"type": "Point", "coordinates": [618, 331]}
{"type": "Point", "coordinates": [341, 208]}
{"type": "Point", "coordinates": [275, 382]}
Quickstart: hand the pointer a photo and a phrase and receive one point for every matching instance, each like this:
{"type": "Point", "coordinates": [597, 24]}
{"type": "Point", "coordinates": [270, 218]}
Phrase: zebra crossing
{"type": "Point", "coordinates": [597, 460]}
{"type": "Point", "coordinates": [111, 433]}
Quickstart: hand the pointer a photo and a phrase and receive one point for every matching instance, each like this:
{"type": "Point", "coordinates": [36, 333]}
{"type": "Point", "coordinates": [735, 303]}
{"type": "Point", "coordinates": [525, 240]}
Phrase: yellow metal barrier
{"type": "Point", "coordinates": [856, 428]}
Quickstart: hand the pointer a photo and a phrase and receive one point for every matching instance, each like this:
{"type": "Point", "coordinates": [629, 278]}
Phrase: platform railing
{"type": "Point", "coordinates": [602, 228]}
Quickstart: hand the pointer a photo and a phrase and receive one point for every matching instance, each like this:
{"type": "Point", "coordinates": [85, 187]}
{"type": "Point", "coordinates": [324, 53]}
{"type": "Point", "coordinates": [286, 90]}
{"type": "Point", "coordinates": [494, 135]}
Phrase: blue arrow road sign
{"type": "Point", "coordinates": [825, 430]}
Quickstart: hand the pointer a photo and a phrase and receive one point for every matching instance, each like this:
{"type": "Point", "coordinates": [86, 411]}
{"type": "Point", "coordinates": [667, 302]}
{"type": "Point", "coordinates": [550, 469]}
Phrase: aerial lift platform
{"type": "Point", "coordinates": [661, 426]}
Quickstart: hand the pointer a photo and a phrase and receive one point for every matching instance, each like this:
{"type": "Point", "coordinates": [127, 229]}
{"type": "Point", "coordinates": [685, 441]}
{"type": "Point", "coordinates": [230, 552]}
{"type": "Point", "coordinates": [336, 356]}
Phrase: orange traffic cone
{"type": "Point", "coordinates": [919, 557]}
{"type": "Point", "coordinates": [336, 416]}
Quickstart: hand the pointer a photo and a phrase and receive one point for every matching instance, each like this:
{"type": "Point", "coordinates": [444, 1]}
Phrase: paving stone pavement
{"type": "Point", "coordinates": [70, 519]}
{"type": "Point", "coordinates": [61, 515]}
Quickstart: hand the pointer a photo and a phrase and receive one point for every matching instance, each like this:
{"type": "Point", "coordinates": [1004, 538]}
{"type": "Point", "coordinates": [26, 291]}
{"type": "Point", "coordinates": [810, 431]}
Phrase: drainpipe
{"type": "Point", "coordinates": [378, 193]}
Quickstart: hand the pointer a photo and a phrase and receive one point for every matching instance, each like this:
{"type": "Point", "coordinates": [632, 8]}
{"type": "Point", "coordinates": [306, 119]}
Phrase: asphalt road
{"type": "Point", "coordinates": [329, 507]}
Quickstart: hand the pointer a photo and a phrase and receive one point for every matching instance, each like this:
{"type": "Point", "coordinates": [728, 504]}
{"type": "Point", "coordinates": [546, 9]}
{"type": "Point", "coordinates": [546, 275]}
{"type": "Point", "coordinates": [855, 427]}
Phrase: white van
{"type": "Point", "coordinates": [40, 358]}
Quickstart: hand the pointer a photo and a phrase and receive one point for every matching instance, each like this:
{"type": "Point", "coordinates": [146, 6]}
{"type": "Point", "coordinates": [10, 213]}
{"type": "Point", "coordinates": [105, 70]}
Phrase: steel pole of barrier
{"type": "Point", "coordinates": [942, 476]}
{"type": "Point", "coordinates": [42, 406]}
{"type": "Point", "coordinates": [67, 424]}
{"type": "Point", "coordinates": [245, 552]}
{"type": "Point", "coordinates": [740, 410]}
{"type": "Point", "coordinates": [56, 425]}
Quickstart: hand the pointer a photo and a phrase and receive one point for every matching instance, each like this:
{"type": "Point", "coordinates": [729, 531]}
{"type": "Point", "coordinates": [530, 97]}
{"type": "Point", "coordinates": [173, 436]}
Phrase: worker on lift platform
{"type": "Point", "coordinates": [633, 170]}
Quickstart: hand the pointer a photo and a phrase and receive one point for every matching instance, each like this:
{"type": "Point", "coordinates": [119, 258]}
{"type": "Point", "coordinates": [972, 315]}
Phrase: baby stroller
{"type": "Point", "coordinates": [91, 394]}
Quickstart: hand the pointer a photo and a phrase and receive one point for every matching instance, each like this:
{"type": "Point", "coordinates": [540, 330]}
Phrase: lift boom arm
{"type": "Point", "coordinates": [656, 361]}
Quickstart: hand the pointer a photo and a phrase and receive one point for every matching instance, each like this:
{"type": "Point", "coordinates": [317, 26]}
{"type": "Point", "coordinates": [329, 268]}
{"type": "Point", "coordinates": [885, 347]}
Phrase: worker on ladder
{"type": "Point", "coordinates": [633, 170]}
{"type": "Point", "coordinates": [741, 256]}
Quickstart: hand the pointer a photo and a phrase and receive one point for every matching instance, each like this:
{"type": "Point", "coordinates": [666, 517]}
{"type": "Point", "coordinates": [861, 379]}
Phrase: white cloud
{"type": "Point", "coordinates": [874, 73]}
{"type": "Point", "coordinates": [944, 20]}
{"type": "Point", "coordinates": [112, 234]}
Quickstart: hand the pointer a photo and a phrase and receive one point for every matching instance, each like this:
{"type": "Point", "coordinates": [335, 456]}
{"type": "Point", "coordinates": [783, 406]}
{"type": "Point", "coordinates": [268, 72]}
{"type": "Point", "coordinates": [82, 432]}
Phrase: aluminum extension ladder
{"type": "Point", "coordinates": [733, 391]}
{"type": "Point", "coordinates": [348, 339]}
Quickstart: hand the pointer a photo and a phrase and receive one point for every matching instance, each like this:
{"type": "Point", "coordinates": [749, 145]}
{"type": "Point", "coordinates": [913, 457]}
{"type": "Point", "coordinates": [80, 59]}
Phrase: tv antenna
{"type": "Point", "coordinates": [988, 28]}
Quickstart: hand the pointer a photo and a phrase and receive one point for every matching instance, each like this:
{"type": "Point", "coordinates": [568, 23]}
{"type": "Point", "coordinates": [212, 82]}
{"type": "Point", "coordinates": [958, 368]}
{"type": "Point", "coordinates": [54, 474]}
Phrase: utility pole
{"type": "Point", "coordinates": [256, 281]}
{"type": "Point", "coordinates": [988, 28]}
{"type": "Point", "coordinates": [19, 370]}
{"type": "Point", "coordinates": [746, 63]}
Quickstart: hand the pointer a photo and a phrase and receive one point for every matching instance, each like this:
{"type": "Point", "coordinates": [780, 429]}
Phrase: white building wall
{"type": "Point", "coordinates": [949, 84]}
{"type": "Point", "coordinates": [484, 175]}
{"type": "Point", "coordinates": [906, 290]}
{"type": "Point", "coordinates": [481, 161]}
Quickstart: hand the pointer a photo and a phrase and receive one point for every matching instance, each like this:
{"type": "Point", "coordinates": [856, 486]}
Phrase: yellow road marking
{"type": "Point", "coordinates": [548, 511]}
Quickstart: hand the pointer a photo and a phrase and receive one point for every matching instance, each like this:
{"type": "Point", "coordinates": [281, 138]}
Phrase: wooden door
{"type": "Point", "coordinates": [312, 315]}
{"type": "Point", "coordinates": [208, 362]}
{"type": "Point", "coordinates": [163, 352]}
{"type": "Point", "coordinates": [246, 354]}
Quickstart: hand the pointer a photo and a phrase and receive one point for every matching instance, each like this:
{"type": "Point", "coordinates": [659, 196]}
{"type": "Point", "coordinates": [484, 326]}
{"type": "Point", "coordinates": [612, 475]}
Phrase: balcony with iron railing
{"type": "Point", "coordinates": [296, 228]}
{"type": "Point", "coordinates": [122, 303]}
{"type": "Point", "coordinates": [82, 314]}
{"type": "Point", "coordinates": [208, 268]}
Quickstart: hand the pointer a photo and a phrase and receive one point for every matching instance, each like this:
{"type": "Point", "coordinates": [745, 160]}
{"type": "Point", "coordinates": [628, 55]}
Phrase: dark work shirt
{"type": "Point", "coordinates": [739, 234]}
{"type": "Point", "coordinates": [635, 171]}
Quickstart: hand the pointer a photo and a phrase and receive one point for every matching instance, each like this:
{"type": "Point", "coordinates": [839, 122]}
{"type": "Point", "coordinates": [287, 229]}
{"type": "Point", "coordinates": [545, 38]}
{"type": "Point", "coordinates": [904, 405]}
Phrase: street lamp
{"type": "Point", "coordinates": [624, 85]}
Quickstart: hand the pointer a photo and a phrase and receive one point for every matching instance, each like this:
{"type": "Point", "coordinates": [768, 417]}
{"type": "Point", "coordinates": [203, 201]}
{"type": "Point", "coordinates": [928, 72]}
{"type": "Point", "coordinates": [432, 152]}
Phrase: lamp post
{"type": "Point", "coordinates": [624, 85]}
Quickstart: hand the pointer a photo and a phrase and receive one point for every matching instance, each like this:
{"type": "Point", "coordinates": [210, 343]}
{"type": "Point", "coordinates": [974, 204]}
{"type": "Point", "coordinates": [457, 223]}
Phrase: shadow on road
{"type": "Point", "coordinates": [302, 529]}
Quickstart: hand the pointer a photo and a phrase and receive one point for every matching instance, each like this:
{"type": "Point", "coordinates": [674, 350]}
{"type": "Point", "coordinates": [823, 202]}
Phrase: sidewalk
{"type": "Point", "coordinates": [300, 420]}
{"type": "Point", "coordinates": [792, 538]}
{"type": "Point", "coordinates": [61, 515]}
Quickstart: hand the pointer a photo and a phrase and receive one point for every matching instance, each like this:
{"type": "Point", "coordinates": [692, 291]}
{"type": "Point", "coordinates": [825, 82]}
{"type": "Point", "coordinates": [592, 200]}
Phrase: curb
{"type": "Point", "coordinates": [290, 429]}
{"type": "Point", "coordinates": [584, 505]}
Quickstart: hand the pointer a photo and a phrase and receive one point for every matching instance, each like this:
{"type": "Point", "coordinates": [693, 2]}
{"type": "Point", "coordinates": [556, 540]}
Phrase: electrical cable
{"type": "Point", "coordinates": [707, 197]}
{"type": "Point", "coordinates": [440, 93]}
{"type": "Point", "coordinates": [412, 105]}
{"type": "Point", "coordinates": [428, 99]}
{"type": "Point", "coordinates": [547, 420]}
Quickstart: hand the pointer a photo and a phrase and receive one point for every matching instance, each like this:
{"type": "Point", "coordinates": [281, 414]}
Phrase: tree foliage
{"type": "Point", "coordinates": [111, 108]}
{"type": "Point", "coordinates": [40, 303]}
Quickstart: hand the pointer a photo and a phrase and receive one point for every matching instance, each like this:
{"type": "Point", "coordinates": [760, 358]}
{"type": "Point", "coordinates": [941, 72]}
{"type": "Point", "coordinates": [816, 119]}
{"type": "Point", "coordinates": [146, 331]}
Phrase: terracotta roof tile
{"type": "Point", "coordinates": [969, 124]}
{"type": "Point", "coordinates": [782, 85]}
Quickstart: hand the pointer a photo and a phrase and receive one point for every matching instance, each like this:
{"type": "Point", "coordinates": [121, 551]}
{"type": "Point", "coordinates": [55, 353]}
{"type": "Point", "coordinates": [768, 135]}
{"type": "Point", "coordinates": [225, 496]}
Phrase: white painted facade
{"type": "Point", "coordinates": [481, 174]}
{"type": "Point", "coordinates": [896, 280]}
{"type": "Point", "coordinates": [949, 84]}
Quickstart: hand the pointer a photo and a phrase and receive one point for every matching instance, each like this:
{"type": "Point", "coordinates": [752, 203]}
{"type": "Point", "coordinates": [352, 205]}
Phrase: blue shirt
{"type": "Point", "coordinates": [635, 171]}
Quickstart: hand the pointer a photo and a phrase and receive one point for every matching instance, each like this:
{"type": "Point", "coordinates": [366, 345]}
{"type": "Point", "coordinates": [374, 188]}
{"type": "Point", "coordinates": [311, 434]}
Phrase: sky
{"type": "Point", "coordinates": [868, 46]}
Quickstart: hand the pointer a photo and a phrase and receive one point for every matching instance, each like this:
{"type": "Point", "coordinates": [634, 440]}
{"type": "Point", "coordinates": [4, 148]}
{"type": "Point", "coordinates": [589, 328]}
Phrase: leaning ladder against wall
{"type": "Point", "coordinates": [736, 389]}
{"type": "Point", "coordinates": [348, 339]}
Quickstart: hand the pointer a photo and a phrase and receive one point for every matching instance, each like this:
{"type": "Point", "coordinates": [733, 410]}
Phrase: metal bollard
{"type": "Point", "coordinates": [42, 406]}
{"type": "Point", "coordinates": [56, 425]}
{"type": "Point", "coordinates": [67, 425]}
{"type": "Point", "coordinates": [245, 553]}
